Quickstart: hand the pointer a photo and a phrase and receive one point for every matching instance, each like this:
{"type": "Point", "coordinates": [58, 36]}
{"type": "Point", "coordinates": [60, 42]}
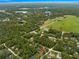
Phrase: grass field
{"type": "Point", "coordinates": [68, 23]}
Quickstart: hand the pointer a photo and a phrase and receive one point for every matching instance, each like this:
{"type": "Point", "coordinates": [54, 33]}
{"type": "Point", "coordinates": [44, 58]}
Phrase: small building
{"type": "Point", "coordinates": [2, 11]}
{"type": "Point", "coordinates": [78, 44]}
{"type": "Point", "coordinates": [47, 13]}
{"type": "Point", "coordinates": [53, 55]}
{"type": "Point", "coordinates": [7, 19]}
{"type": "Point", "coordinates": [23, 12]}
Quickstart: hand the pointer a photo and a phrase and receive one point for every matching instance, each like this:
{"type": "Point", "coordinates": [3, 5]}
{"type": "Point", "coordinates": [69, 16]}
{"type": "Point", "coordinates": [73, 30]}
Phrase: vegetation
{"type": "Point", "coordinates": [67, 23]}
{"type": "Point", "coordinates": [37, 34]}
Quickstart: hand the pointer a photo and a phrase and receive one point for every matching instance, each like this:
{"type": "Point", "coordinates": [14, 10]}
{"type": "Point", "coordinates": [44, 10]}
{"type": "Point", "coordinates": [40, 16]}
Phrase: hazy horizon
{"type": "Point", "coordinates": [40, 1]}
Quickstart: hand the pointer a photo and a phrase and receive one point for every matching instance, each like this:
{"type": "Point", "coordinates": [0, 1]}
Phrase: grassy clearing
{"type": "Point", "coordinates": [68, 23]}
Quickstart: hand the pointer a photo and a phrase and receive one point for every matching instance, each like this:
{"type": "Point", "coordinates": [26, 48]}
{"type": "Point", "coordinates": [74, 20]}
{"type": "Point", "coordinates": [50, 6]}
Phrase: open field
{"type": "Point", "coordinates": [67, 23]}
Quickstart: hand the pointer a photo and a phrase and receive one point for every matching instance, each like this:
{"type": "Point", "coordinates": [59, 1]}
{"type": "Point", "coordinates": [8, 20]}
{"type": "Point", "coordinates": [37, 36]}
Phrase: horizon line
{"type": "Point", "coordinates": [43, 2]}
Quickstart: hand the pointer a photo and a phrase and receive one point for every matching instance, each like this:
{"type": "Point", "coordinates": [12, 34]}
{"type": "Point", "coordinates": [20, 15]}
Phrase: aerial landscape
{"type": "Point", "coordinates": [39, 30]}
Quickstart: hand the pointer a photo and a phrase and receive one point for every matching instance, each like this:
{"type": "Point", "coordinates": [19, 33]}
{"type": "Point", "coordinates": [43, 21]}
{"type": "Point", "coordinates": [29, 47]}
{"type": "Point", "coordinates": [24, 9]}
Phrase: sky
{"type": "Point", "coordinates": [39, 1]}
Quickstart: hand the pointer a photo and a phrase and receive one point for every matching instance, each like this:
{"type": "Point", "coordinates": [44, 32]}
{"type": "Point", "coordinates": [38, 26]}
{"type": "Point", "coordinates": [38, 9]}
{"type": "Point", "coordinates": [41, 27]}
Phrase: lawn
{"type": "Point", "coordinates": [68, 23]}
